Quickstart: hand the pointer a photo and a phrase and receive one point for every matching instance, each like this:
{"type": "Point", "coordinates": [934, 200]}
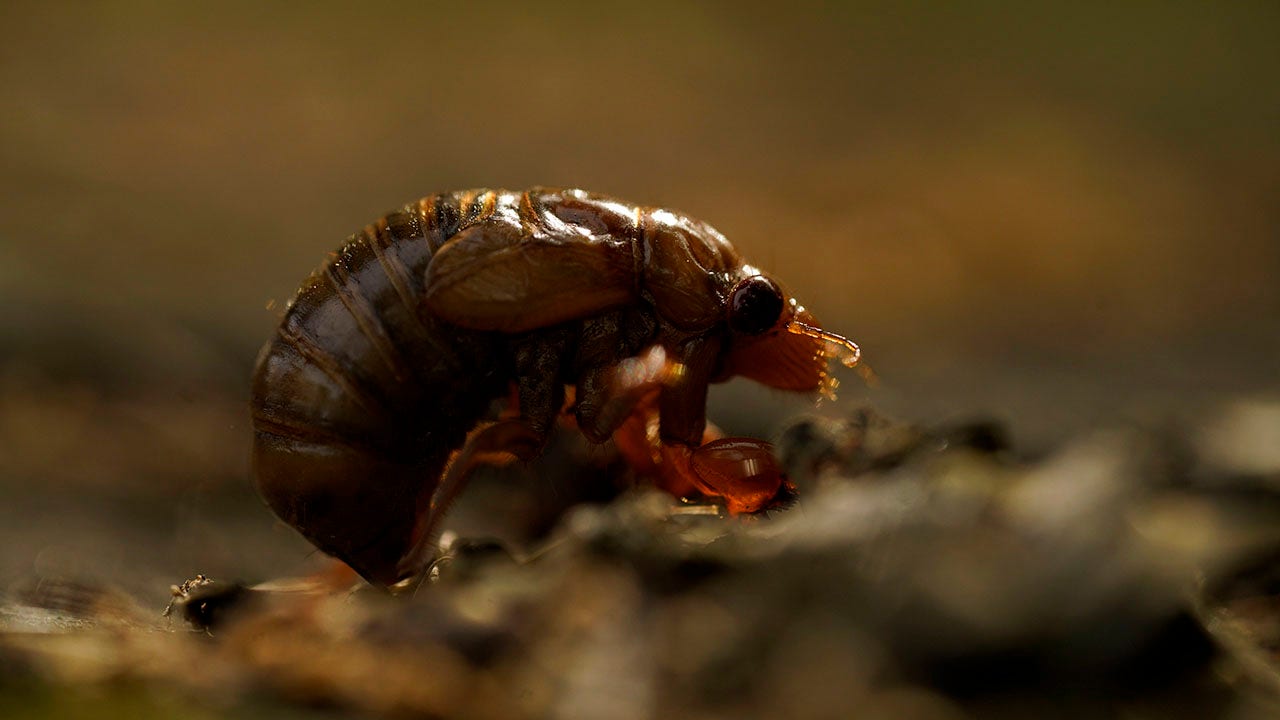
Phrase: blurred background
{"type": "Point", "coordinates": [1056, 216]}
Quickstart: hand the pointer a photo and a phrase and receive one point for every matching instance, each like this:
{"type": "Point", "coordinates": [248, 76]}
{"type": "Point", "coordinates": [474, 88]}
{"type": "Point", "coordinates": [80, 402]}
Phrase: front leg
{"type": "Point", "coordinates": [610, 387]}
{"type": "Point", "coordinates": [683, 457]}
{"type": "Point", "coordinates": [742, 471]}
{"type": "Point", "coordinates": [682, 403]}
{"type": "Point", "coordinates": [682, 414]}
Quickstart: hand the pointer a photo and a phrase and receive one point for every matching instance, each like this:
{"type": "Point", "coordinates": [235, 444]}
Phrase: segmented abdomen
{"type": "Point", "coordinates": [361, 395]}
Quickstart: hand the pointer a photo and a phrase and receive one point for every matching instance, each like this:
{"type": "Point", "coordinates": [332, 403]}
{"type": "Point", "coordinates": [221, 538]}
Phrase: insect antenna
{"type": "Point", "coordinates": [839, 347]}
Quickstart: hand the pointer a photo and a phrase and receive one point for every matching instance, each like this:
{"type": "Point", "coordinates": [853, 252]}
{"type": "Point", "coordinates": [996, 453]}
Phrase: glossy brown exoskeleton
{"type": "Point", "coordinates": [369, 402]}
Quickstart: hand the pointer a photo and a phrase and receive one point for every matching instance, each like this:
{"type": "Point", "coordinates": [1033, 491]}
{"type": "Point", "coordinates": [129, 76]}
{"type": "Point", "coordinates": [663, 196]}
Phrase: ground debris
{"type": "Point", "coordinates": [925, 573]}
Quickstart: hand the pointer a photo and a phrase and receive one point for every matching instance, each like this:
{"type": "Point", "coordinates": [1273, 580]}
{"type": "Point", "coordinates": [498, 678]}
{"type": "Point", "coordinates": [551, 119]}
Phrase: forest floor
{"type": "Point", "coordinates": [927, 572]}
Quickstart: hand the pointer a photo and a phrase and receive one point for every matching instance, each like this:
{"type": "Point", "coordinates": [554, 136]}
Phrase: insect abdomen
{"type": "Point", "coordinates": [361, 396]}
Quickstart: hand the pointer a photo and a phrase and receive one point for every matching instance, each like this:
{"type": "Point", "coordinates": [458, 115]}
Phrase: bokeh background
{"type": "Point", "coordinates": [1057, 215]}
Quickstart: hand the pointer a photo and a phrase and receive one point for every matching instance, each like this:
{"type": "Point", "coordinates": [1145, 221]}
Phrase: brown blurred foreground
{"type": "Point", "coordinates": [926, 574]}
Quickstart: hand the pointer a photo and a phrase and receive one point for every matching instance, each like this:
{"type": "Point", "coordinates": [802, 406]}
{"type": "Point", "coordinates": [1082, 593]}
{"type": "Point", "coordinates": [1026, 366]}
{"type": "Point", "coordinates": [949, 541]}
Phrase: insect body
{"type": "Point", "coordinates": [369, 400]}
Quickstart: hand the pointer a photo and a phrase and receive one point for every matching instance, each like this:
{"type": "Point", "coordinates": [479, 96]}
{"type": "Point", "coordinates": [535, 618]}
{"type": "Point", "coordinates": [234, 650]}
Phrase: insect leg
{"type": "Point", "coordinates": [608, 380]}
{"type": "Point", "coordinates": [609, 395]}
{"type": "Point", "coordinates": [623, 399]}
{"type": "Point", "coordinates": [494, 443]}
{"type": "Point", "coordinates": [742, 471]}
{"type": "Point", "coordinates": [540, 384]}
{"type": "Point", "coordinates": [637, 441]}
{"type": "Point", "coordinates": [540, 395]}
{"type": "Point", "coordinates": [682, 404]}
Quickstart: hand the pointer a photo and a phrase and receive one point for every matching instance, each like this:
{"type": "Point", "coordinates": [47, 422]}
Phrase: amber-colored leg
{"type": "Point", "coordinates": [741, 471]}
{"type": "Point", "coordinates": [496, 443]}
{"type": "Point", "coordinates": [637, 441]}
{"type": "Point", "coordinates": [625, 401]}
{"type": "Point", "coordinates": [744, 472]}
